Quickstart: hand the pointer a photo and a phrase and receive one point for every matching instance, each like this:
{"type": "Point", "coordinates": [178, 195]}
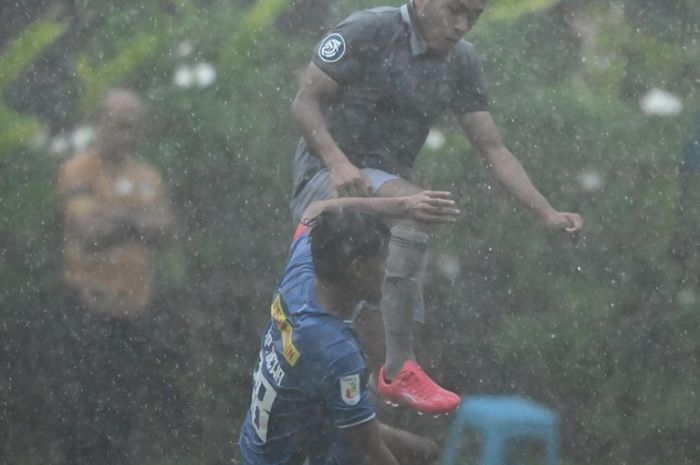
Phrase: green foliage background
{"type": "Point", "coordinates": [603, 328]}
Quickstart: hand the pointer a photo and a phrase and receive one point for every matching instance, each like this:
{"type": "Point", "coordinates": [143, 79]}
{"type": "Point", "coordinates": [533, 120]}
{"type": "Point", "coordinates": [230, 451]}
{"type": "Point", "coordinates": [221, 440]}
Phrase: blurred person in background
{"type": "Point", "coordinates": [376, 84]}
{"type": "Point", "coordinates": [310, 396]}
{"type": "Point", "coordinates": [115, 211]}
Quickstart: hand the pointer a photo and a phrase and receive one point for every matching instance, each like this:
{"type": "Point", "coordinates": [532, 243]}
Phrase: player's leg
{"type": "Point", "coordinates": [402, 291]}
{"type": "Point", "coordinates": [369, 323]}
{"type": "Point", "coordinates": [402, 300]}
{"type": "Point", "coordinates": [370, 330]}
{"type": "Point", "coordinates": [402, 380]}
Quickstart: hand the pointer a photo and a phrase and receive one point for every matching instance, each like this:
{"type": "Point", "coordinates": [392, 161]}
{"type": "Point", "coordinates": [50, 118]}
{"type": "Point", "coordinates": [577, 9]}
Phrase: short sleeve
{"type": "Point", "coordinates": [470, 86]}
{"type": "Point", "coordinates": [347, 50]}
{"type": "Point", "coordinates": [302, 230]}
{"type": "Point", "coordinates": [345, 392]}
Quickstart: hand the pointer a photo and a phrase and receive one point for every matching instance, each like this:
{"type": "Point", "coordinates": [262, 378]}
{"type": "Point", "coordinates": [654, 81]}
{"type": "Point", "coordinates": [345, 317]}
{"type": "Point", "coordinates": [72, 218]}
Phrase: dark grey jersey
{"type": "Point", "coordinates": [392, 90]}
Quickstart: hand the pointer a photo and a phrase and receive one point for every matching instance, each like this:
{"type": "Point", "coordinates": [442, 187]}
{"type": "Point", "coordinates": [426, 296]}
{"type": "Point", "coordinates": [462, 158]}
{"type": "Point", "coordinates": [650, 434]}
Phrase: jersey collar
{"type": "Point", "coordinates": [408, 14]}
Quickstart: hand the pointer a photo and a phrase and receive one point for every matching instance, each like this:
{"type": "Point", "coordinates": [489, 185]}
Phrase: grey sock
{"type": "Point", "coordinates": [404, 270]}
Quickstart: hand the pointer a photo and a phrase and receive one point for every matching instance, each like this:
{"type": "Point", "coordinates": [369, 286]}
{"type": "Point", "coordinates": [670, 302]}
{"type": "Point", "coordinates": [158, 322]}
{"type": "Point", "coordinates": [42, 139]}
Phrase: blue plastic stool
{"type": "Point", "coordinates": [500, 419]}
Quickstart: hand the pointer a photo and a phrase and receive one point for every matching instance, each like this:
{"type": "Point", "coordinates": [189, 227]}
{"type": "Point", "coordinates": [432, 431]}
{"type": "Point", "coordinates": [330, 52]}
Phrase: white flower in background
{"type": "Point", "coordinates": [435, 140]}
{"type": "Point", "coordinates": [449, 266]}
{"type": "Point", "coordinates": [184, 49]}
{"type": "Point", "coordinates": [184, 77]}
{"type": "Point", "coordinates": [58, 145]}
{"type": "Point", "coordinates": [82, 136]}
{"type": "Point", "coordinates": [658, 102]}
{"type": "Point", "coordinates": [590, 181]}
{"type": "Point", "coordinates": [123, 186]}
{"type": "Point", "coordinates": [204, 74]}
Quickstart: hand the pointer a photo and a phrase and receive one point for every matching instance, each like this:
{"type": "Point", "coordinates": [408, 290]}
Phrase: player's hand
{"type": "Point", "coordinates": [571, 223]}
{"type": "Point", "coordinates": [407, 447]}
{"type": "Point", "coordinates": [348, 181]}
{"type": "Point", "coordinates": [431, 207]}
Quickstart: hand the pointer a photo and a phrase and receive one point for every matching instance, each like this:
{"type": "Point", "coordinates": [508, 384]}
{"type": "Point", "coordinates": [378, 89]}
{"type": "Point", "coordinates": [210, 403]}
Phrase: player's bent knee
{"type": "Point", "coordinates": [406, 252]}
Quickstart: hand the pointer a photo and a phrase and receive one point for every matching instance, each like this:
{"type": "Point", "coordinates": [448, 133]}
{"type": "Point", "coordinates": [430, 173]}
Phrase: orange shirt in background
{"type": "Point", "coordinates": [117, 279]}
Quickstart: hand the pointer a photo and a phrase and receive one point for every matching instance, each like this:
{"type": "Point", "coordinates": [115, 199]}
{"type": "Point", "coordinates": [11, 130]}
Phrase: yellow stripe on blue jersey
{"type": "Point", "coordinates": [289, 351]}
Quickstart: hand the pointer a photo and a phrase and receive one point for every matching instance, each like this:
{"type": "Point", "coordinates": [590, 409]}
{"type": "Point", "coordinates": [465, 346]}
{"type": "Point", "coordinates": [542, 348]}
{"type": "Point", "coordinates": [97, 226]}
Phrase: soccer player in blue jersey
{"type": "Point", "coordinates": [310, 395]}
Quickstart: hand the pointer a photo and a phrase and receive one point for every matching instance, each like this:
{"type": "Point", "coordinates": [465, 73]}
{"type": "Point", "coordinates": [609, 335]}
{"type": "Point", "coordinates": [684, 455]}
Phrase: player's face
{"type": "Point", "coordinates": [120, 132]}
{"type": "Point", "coordinates": [370, 276]}
{"type": "Point", "coordinates": [444, 22]}
{"type": "Point", "coordinates": [120, 125]}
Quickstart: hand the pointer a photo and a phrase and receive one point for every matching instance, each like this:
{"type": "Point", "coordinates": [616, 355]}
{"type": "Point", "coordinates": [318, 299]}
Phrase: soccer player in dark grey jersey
{"type": "Point", "coordinates": [376, 84]}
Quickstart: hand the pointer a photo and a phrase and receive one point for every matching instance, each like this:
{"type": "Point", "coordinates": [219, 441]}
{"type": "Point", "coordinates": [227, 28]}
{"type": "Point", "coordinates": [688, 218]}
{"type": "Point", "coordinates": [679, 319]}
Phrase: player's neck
{"type": "Point", "coordinates": [335, 299]}
{"type": "Point", "coordinates": [112, 155]}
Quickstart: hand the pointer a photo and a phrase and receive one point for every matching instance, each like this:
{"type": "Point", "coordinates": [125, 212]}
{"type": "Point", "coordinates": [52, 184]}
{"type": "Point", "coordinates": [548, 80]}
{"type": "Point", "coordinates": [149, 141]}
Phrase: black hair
{"type": "Point", "coordinates": [341, 235]}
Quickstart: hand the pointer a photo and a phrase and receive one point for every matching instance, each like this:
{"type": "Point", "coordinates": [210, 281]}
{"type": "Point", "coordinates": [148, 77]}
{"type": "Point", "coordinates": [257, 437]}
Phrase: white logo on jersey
{"type": "Point", "coordinates": [332, 48]}
{"type": "Point", "coordinates": [350, 389]}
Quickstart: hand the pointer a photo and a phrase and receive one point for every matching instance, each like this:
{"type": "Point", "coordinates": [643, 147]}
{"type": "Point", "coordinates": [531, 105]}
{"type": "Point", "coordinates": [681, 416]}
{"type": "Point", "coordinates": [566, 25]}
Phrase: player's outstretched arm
{"type": "Point", "coordinates": [483, 134]}
{"type": "Point", "coordinates": [426, 206]}
{"type": "Point", "coordinates": [383, 444]}
{"type": "Point", "coordinates": [408, 448]}
{"type": "Point", "coordinates": [367, 439]}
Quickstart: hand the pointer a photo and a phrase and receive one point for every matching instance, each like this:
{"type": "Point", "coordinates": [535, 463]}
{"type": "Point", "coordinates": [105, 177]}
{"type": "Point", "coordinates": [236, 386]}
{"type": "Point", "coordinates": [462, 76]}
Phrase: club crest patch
{"type": "Point", "coordinates": [350, 389]}
{"type": "Point", "coordinates": [332, 48]}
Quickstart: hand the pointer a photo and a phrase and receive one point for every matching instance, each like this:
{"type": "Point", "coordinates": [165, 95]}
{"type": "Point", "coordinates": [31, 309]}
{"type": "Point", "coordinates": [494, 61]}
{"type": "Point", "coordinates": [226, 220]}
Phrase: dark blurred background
{"type": "Point", "coordinates": [599, 100]}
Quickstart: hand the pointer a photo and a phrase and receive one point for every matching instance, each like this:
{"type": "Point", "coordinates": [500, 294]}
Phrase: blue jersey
{"type": "Point", "coordinates": [311, 373]}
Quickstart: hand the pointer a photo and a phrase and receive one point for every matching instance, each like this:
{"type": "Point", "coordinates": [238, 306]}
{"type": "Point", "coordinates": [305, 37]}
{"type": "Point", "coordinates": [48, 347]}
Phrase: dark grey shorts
{"type": "Point", "coordinates": [319, 188]}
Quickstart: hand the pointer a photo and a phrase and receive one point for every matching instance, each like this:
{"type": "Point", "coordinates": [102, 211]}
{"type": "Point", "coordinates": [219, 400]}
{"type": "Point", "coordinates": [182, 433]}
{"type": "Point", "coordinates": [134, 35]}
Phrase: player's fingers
{"type": "Point", "coordinates": [439, 202]}
{"type": "Point", "coordinates": [573, 229]}
{"type": "Point", "coordinates": [439, 194]}
{"type": "Point", "coordinates": [441, 216]}
{"type": "Point", "coordinates": [354, 188]}
{"type": "Point", "coordinates": [344, 191]}
{"type": "Point", "coordinates": [440, 210]}
{"type": "Point", "coordinates": [362, 187]}
{"type": "Point", "coordinates": [431, 218]}
{"type": "Point", "coordinates": [575, 223]}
